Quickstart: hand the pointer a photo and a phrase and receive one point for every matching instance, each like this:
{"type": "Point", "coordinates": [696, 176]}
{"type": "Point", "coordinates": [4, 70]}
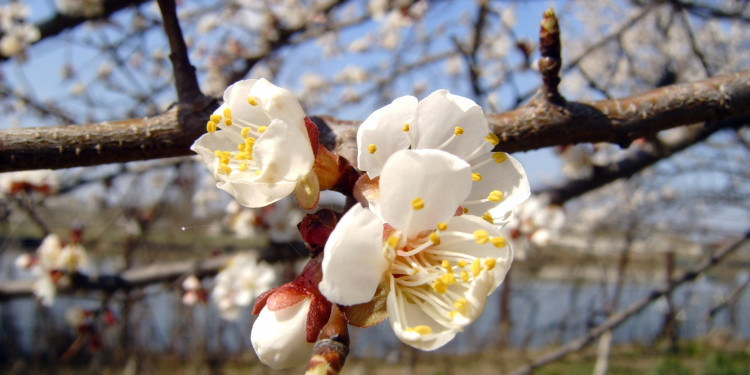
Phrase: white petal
{"type": "Point", "coordinates": [283, 153]}
{"type": "Point", "coordinates": [403, 315]}
{"type": "Point", "coordinates": [441, 180]}
{"type": "Point", "coordinates": [279, 103]}
{"type": "Point", "coordinates": [353, 261]}
{"type": "Point", "coordinates": [438, 116]}
{"type": "Point", "coordinates": [509, 177]}
{"type": "Point", "coordinates": [279, 337]}
{"type": "Point", "coordinates": [235, 98]}
{"type": "Point", "coordinates": [383, 128]}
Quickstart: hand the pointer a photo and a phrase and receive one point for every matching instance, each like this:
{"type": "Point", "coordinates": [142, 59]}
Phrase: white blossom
{"type": "Point", "coordinates": [240, 283]}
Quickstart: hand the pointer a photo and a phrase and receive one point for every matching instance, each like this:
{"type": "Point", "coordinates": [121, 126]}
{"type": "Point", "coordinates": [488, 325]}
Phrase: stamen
{"type": "Point", "coordinates": [481, 236]}
{"type": "Point", "coordinates": [245, 132]}
{"type": "Point", "coordinates": [458, 131]}
{"type": "Point", "coordinates": [417, 203]}
{"type": "Point", "coordinates": [422, 330]}
{"type": "Point", "coordinates": [227, 113]}
{"type": "Point", "coordinates": [442, 226]}
{"type": "Point", "coordinates": [476, 176]}
{"type": "Point", "coordinates": [243, 156]}
{"type": "Point", "coordinates": [461, 263]}
{"type": "Point", "coordinates": [495, 196]}
{"type": "Point", "coordinates": [243, 167]}
{"type": "Point", "coordinates": [393, 241]}
{"type": "Point", "coordinates": [488, 218]}
{"type": "Point", "coordinates": [241, 147]}
{"type": "Point", "coordinates": [228, 122]}
{"type": "Point", "coordinates": [464, 276]}
{"type": "Point", "coordinates": [224, 168]}
{"type": "Point", "coordinates": [498, 242]}
{"type": "Point", "coordinates": [466, 210]}
{"type": "Point", "coordinates": [251, 101]}
{"type": "Point", "coordinates": [262, 129]}
{"type": "Point", "coordinates": [439, 286]}
{"type": "Point", "coordinates": [448, 279]}
{"type": "Point", "coordinates": [492, 138]}
{"type": "Point", "coordinates": [490, 263]}
{"type": "Point", "coordinates": [476, 268]}
{"type": "Point", "coordinates": [461, 304]}
{"type": "Point", "coordinates": [215, 118]}
{"type": "Point", "coordinates": [499, 157]}
{"type": "Point", "coordinates": [210, 126]}
{"type": "Point", "coordinates": [371, 148]}
{"type": "Point", "coordinates": [405, 128]}
{"type": "Point", "coordinates": [446, 264]}
{"type": "Point", "coordinates": [434, 238]}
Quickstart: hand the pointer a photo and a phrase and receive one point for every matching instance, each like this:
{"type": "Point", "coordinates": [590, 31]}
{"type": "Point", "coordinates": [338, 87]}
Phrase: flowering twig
{"type": "Point", "coordinates": [632, 164]}
{"type": "Point", "coordinates": [332, 347]}
{"type": "Point", "coordinates": [186, 81]}
{"type": "Point", "coordinates": [620, 317]}
{"type": "Point", "coordinates": [550, 62]}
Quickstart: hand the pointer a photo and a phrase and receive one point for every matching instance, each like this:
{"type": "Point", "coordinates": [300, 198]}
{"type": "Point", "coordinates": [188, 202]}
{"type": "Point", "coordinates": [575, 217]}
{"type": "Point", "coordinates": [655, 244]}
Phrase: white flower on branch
{"type": "Point", "coordinates": [80, 8]}
{"type": "Point", "coordinates": [240, 283]}
{"type": "Point", "coordinates": [257, 145]}
{"type": "Point", "coordinates": [278, 337]}
{"type": "Point", "coordinates": [430, 170]}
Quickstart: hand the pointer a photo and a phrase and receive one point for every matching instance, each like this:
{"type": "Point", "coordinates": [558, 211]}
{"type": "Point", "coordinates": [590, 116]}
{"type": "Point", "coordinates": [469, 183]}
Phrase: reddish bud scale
{"type": "Point", "coordinates": [304, 286]}
{"type": "Point", "coordinates": [316, 228]}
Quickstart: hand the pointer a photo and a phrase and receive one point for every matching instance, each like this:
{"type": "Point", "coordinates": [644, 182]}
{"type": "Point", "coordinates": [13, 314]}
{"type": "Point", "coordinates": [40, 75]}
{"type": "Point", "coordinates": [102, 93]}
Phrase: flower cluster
{"type": "Point", "coordinates": [17, 33]}
{"type": "Point", "coordinates": [423, 244]}
{"type": "Point", "coordinates": [240, 283]}
{"type": "Point", "coordinates": [52, 264]}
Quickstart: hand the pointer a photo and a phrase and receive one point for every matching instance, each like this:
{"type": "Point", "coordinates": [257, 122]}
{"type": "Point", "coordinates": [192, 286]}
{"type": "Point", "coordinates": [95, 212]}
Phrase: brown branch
{"type": "Point", "coordinates": [533, 126]}
{"type": "Point", "coordinates": [164, 135]}
{"type": "Point", "coordinates": [550, 61]}
{"type": "Point", "coordinates": [620, 317]}
{"type": "Point", "coordinates": [621, 121]}
{"type": "Point", "coordinates": [127, 280]}
{"type": "Point", "coordinates": [186, 82]}
{"type": "Point", "coordinates": [332, 347]}
{"type": "Point", "coordinates": [636, 162]}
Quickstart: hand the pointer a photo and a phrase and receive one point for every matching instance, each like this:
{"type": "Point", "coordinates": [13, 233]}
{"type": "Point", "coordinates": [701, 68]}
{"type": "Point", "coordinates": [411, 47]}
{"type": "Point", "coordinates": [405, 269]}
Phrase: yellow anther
{"type": "Point", "coordinates": [223, 168]}
{"type": "Point", "coordinates": [499, 157]}
{"type": "Point", "coordinates": [498, 242]}
{"type": "Point", "coordinates": [371, 148]}
{"type": "Point", "coordinates": [217, 153]}
{"type": "Point", "coordinates": [446, 264]}
{"type": "Point", "coordinates": [476, 267]}
{"type": "Point", "coordinates": [250, 141]}
{"type": "Point", "coordinates": [252, 101]}
{"type": "Point", "coordinates": [417, 203]}
{"type": "Point", "coordinates": [406, 127]}
{"type": "Point", "coordinates": [243, 167]}
{"type": "Point", "coordinates": [422, 330]}
{"type": "Point", "coordinates": [223, 160]}
{"type": "Point", "coordinates": [210, 126]}
{"type": "Point", "coordinates": [488, 217]}
{"type": "Point", "coordinates": [464, 276]}
{"type": "Point", "coordinates": [215, 118]}
{"type": "Point", "coordinates": [227, 113]}
{"type": "Point", "coordinates": [461, 304]}
{"type": "Point", "coordinates": [476, 176]}
{"type": "Point", "coordinates": [458, 131]}
{"type": "Point", "coordinates": [495, 196]}
{"type": "Point", "coordinates": [490, 263]}
{"type": "Point", "coordinates": [439, 286]}
{"type": "Point", "coordinates": [242, 156]}
{"type": "Point", "coordinates": [257, 172]}
{"type": "Point", "coordinates": [228, 122]}
{"type": "Point", "coordinates": [492, 138]}
{"type": "Point", "coordinates": [481, 236]}
{"type": "Point", "coordinates": [442, 226]}
{"type": "Point", "coordinates": [452, 314]}
{"type": "Point", "coordinates": [466, 210]}
{"type": "Point", "coordinates": [262, 129]}
{"type": "Point", "coordinates": [392, 241]}
{"type": "Point", "coordinates": [223, 154]}
{"type": "Point", "coordinates": [245, 132]}
{"type": "Point", "coordinates": [434, 238]}
{"type": "Point", "coordinates": [448, 279]}
{"type": "Point", "coordinates": [241, 147]}
{"type": "Point", "coordinates": [461, 263]}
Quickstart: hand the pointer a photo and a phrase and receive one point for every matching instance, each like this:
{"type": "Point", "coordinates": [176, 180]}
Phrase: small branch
{"type": "Point", "coordinates": [729, 300]}
{"type": "Point", "coordinates": [127, 280]}
{"type": "Point", "coordinates": [332, 347]}
{"type": "Point", "coordinates": [636, 162]}
{"type": "Point", "coordinates": [186, 81]}
{"type": "Point", "coordinates": [550, 61]}
{"type": "Point", "coordinates": [616, 319]}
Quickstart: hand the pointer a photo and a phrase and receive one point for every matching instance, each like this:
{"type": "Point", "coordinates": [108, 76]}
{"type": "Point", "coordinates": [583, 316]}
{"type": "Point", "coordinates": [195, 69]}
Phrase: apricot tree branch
{"type": "Point", "coordinates": [186, 82]}
{"type": "Point", "coordinates": [532, 126]}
